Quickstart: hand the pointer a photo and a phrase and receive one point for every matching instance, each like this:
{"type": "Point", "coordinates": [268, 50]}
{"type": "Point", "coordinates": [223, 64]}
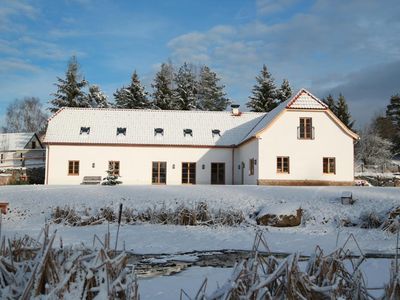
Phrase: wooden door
{"type": "Point", "coordinates": [217, 173]}
{"type": "Point", "coordinates": [159, 172]}
{"type": "Point", "coordinates": [189, 173]}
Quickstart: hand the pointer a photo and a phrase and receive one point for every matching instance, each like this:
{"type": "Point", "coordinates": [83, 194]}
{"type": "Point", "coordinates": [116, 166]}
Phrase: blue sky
{"type": "Point", "coordinates": [350, 46]}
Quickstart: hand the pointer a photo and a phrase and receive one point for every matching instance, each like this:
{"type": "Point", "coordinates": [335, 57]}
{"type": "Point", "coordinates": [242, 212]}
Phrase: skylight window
{"type": "Point", "coordinates": [84, 131]}
{"type": "Point", "coordinates": [216, 132]}
{"type": "Point", "coordinates": [121, 131]}
{"type": "Point", "coordinates": [159, 131]}
{"type": "Point", "coordinates": [187, 131]}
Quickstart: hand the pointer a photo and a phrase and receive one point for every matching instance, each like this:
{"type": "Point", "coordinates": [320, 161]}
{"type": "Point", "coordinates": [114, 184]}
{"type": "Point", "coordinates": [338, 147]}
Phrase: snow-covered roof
{"type": "Point", "coordinates": [14, 141]}
{"type": "Point", "coordinates": [66, 125]}
{"type": "Point", "coordinates": [100, 125]}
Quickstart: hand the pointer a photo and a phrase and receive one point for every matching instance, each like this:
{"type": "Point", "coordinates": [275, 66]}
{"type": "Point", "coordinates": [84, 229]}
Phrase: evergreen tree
{"type": "Point", "coordinates": [393, 114]}
{"type": "Point", "coordinates": [330, 101]}
{"type": "Point", "coordinates": [133, 96]}
{"type": "Point", "coordinates": [343, 113]}
{"type": "Point", "coordinates": [210, 96]}
{"type": "Point", "coordinates": [393, 110]}
{"type": "Point", "coordinates": [69, 90]}
{"type": "Point", "coordinates": [111, 178]}
{"type": "Point", "coordinates": [285, 92]}
{"type": "Point", "coordinates": [264, 98]}
{"type": "Point", "coordinates": [97, 98]}
{"type": "Point", "coordinates": [163, 89]}
{"type": "Point", "coordinates": [185, 92]}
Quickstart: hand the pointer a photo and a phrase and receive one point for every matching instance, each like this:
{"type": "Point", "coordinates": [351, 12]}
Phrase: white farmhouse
{"type": "Point", "coordinates": [301, 142]}
{"type": "Point", "coordinates": [21, 150]}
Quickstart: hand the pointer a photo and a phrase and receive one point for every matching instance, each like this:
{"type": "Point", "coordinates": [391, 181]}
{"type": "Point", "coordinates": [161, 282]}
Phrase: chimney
{"type": "Point", "coordinates": [235, 109]}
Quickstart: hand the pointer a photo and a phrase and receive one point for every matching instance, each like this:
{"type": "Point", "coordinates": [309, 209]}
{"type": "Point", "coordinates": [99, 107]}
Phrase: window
{"type": "Point", "coordinates": [114, 167]}
{"type": "Point", "coordinates": [73, 167]}
{"type": "Point", "coordinates": [187, 132]}
{"type": "Point", "coordinates": [159, 172]}
{"type": "Point", "coordinates": [251, 164]}
{"type": "Point", "coordinates": [329, 165]}
{"type": "Point", "coordinates": [84, 131]}
{"type": "Point", "coordinates": [1, 158]}
{"type": "Point", "coordinates": [282, 164]}
{"type": "Point", "coordinates": [188, 173]}
{"type": "Point", "coordinates": [21, 157]}
{"type": "Point", "coordinates": [121, 131]}
{"type": "Point", "coordinates": [305, 130]}
{"type": "Point", "coordinates": [159, 131]}
{"type": "Point", "coordinates": [33, 145]}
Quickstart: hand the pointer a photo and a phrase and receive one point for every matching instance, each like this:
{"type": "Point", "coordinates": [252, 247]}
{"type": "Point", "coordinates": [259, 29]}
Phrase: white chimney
{"type": "Point", "coordinates": [235, 109]}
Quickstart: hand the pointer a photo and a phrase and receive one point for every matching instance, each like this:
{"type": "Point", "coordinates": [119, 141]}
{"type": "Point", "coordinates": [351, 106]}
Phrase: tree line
{"type": "Point", "coordinates": [190, 87]}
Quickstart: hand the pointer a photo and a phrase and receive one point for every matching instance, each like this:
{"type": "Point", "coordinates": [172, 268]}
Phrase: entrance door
{"type": "Point", "coordinates": [159, 172]}
{"type": "Point", "coordinates": [242, 169]}
{"type": "Point", "coordinates": [188, 173]}
{"type": "Point", "coordinates": [217, 173]}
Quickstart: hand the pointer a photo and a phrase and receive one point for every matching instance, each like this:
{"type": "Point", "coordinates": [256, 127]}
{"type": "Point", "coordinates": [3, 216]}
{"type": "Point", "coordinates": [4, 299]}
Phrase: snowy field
{"type": "Point", "coordinates": [31, 207]}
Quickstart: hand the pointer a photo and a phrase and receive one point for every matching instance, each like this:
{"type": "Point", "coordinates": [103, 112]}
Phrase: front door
{"type": "Point", "coordinates": [189, 173]}
{"type": "Point", "coordinates": [217, 173]}
{"type": "Point", "coordinates": [242, 169]}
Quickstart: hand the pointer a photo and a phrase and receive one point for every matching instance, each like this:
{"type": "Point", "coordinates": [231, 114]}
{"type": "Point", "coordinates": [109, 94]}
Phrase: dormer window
{"type": "Point", "coordinates": [159, 131]}
{"type": "Point", "coordinates": [121, 131]}
{"type": "Point", "coordinates": [85, 131]}
{"type": "Point", "coordinates": [216, 132]}
{"type": "Point", "coordinates": [187, 131]}
{"type": "Point", "coordinates": [33, 145]}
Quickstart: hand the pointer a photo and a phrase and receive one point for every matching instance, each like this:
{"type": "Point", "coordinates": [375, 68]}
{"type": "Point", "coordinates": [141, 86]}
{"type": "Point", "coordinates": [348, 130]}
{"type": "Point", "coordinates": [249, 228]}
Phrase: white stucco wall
{"type": "Point", "coordinates": [135, 162]}
{"type": "Point", "coordinates": [305, 155]}
{"type": "Point", "coordinates": [243, 154]}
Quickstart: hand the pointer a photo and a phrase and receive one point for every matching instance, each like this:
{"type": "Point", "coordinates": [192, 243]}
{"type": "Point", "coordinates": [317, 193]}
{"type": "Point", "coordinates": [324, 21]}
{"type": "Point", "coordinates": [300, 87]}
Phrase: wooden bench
{"type": "Point", "coordinates": [3, 207]}
{"type": "Point", "coordinates": [91, 180]}
{"type": "Point", "coordinates": [347, 198]}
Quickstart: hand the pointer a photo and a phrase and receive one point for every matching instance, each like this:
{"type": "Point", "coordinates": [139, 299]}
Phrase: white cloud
{"type": "Point", "coordinates": [16, 65]}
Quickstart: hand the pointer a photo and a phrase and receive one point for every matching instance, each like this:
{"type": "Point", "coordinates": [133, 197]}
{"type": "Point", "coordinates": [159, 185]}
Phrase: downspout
{"type": "Point", "coordinates": [47, 163]}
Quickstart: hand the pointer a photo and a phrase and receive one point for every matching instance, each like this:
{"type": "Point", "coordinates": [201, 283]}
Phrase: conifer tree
{"type": "Point", "coordinates": [330, 101]}
{"type": "Point", "coordinates": [163, 88]}
{"type": "Point", "coordinates": [393, 110]}
{"type": "Point", "coordinates": [285, 92]}
{"type": "Point", "coordinates": [343, 112]}
{"type": "Point", "coordinates": [393, 114]}
{"type": "Point", "coordinates": [185, 92]}
{"type": "Point", "coordinates": [69, 90]}
{"type": "Point", "coordinates": [211, 95]}
{"type": "Point", "coordinates": [133, 96]}
{"type": "Point", "coordinates": [111, 178]}
{"type": "Point", "coordinates": [264, 94]}
{"type": "Point", "coordinates": [97, 98]}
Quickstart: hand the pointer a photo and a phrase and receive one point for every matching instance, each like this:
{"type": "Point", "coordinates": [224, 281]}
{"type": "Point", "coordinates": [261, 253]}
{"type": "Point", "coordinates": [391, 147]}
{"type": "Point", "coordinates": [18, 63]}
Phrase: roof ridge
{"type": "Point", "coordinates": [152, 110]}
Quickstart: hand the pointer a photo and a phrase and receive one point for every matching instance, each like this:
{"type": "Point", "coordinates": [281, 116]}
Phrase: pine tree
{"type": "Point", "coordinates": [185, 92]}
{"type": "Point", "coordinates": [264, 98]}
{"type": "Point", "coordinates": [393, 110]}
{"type": "Point", "coordinates": [210, 96]}
{"type": "Point", "coordinates": [97, 98]}
{"type": "Point", "coordinates": [393, 114]}
{"type": "Point", "coordinates": [111, 178]}
{"type": "Point", "coordinates": [163, 89]}
{"type": "Point", "coordinates": [330, 101]}
{"type": "Point", "coordinates": [69, 90]}
{"type": "Point", "coordinates": [285, 92]}
{"type": "Point", "coordinates": [133, 96]}
{"type": "Point", "coordinates": [343, 112]}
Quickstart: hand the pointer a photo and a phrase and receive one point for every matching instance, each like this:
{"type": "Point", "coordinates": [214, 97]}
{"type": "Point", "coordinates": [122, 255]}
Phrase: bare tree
{"type": "Point", "coordinates": [372, 149]}
{"type": "Point", "coordinates": [25, 115]}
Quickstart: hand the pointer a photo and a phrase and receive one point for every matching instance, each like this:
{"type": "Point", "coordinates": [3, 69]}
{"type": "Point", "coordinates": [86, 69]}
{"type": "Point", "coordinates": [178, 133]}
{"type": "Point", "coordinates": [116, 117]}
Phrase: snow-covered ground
{"type": "Point", "coordinates": [31, 206]}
